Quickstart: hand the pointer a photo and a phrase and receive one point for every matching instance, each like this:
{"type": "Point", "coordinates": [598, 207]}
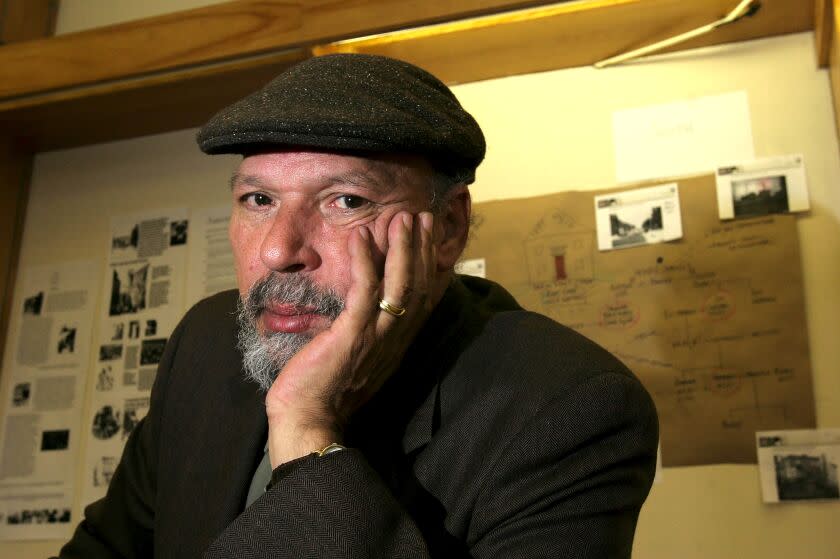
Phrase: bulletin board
{"type": "Point", "coordinates": [713, 323]}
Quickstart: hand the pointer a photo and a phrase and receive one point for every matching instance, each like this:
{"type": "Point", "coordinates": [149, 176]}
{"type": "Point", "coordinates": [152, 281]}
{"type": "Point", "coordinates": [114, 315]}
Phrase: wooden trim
{"type": "Point", "coordinates": [15, 170]}
{"type": "Point", "coordinates": [823, 16]}
{"type": "Point", "coordinates": [570, 35]}
{"type": "Point", "coordinates": [212, 34]}
{"type": "Point", "coordinates": [131, 108]}
{"type": "Point", "coordinates": [834, 62]}
{"type": "Point", "coordinates": [531, 40]}
{"type": "Point", "coordinates": [24, 20]}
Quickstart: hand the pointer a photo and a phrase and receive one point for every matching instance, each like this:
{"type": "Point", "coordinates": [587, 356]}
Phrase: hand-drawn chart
{"type": "Point", "coordinates": [713, 324]}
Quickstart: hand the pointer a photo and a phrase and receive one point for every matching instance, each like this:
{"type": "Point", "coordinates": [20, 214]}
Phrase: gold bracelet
{"type": "Point", "coordinates": [329, 449]}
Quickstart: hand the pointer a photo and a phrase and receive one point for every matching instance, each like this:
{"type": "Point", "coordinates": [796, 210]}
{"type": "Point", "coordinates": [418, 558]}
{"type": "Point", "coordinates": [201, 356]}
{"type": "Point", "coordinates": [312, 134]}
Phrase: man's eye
{"type": "Point", "coordinates": [256, 199]}
{"type": "Point", "coordinates": [350, 202]}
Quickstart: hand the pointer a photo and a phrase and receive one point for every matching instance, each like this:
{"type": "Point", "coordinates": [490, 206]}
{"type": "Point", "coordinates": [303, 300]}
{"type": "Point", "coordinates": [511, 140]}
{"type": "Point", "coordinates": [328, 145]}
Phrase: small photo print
{"type": "Point", "coordinates": [105, 379]}
{"type": "Point", "coordinates": [151, 351]}
{"type": "Point", "coordinates": [39, 516]}
{"type": "Point", "coordinates": [21, 393]}
{"type": "Point", "coordinates": [117, 331]}
{"type": "Point", "coordinates": [760, 196]}
{"type": "Point", "coordinates": [151, 328]}
{"type": "Point", "coordinates": [127, 241]}
{"type": "Point", "coordinates": [806, 476]}
{"type": "Point", "coordinates": [773, 185]}
{"type": "Point", "coordinates": [32, 305]}
{"type": "Point", "coordinates": [637, 217]}
{"type": "Point", "coordinates": [110, 352]}
{"type": "Point", "coordinates": [799, 465]}
{"type": "Point", "coordinates": [128, 289]}
{"type": "Point", "coordinates": [67, 339]}
{"type": "Point", "coordinates": [103, 471]}
{"type": "Point", "coordinates": [135, 410]}
{"type": "Point", "coordinates": [106, 423]}
{"type": "Point", "coordinates": [178, 232]}
{"type": "Point", "coordinates": [134, 329]}
{"type": "Point", "coordinates": [55, 440]}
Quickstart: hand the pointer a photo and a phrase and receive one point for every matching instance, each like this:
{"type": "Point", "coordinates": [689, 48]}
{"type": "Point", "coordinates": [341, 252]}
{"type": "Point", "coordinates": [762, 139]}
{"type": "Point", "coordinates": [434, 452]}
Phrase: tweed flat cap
{"type": "Point", "coordinates": [353, 102]}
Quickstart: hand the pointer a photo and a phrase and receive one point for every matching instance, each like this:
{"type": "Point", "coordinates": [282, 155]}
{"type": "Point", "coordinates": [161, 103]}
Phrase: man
{"type": "Point", "coordinates": [404, 411]}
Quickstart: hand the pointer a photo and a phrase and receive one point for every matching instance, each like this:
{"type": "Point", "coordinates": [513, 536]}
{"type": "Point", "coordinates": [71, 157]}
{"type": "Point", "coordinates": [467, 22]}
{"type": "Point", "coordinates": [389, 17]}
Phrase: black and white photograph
{"type": "Point", "coordinates": [117, 331]}
{"type": "Point", "coordinates": [125, 242]}
{"type": "Point", "coordinates": [806, 476]}
{"type": "Point", "coordinates": [33, 304]}
{"type": "Point", "coordinates": [151, 351]}
{"type": "Point", "coordinates": [106, 423]}
{"type": "Point", "coordinates": [21, 393]}
{"type": "Point", "coordinates": [133, 329]}
{"type": "Point", "coordinates": [66, 339]}
{"type": "Point", "coordinates": [799, 465]}
{"type": "Point", "coordinates": [151, 328]}
{"type": "Point", "coordinates": [135, 410]}
{"type": "Point", "coordinates": [105, 379]}
{"type": "Point", "coordinates": [638, 217]}
{"type": "Point", "coordinates": [39, 516]}
{"type": "Point", "coordinates": [760, 196]}
{"type": "Point", "coordinates": [58, 439]}
{"type": "Point", "coordinates": [632, 227]}
{"type": "Point", "coordinates": [104, 471]}
{"type": "Point", "coordinates": [772, 185]}
{"type": "Point", "coordinates": [110, 352]}
{"type": "Point", "coordinates": [178, 232]}
{"type": "Point", "coordinates": [128, 289]}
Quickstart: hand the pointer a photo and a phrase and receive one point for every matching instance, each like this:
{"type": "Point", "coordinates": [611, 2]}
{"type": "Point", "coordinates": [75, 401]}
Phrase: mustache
{"type": "Point", "coordinates": [291, 289]}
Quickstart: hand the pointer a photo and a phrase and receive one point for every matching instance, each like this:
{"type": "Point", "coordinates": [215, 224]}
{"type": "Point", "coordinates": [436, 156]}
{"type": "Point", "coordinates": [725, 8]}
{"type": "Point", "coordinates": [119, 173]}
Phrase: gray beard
{"type": "Point", "coordinates": [264, 356]}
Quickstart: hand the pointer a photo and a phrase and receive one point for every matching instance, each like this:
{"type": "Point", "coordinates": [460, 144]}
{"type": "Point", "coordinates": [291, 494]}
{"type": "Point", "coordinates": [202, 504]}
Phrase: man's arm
{"type": "Point", "coordinates": [572, 481]}
{"type": "Point", "coordinates": [569, 484]}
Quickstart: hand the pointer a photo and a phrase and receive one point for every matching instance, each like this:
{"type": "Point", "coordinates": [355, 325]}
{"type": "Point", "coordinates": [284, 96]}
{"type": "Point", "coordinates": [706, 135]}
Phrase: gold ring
{"type": "Point", "coordinates": [393, 310]}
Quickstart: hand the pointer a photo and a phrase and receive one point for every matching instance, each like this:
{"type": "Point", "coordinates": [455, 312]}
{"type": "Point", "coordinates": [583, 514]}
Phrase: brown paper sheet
{"type": "Point", "coordinates": [713, 324]}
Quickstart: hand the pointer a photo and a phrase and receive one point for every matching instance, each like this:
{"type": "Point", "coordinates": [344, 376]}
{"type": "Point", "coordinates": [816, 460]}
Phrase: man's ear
{"type": "Point", "coordinates": [453, 226]}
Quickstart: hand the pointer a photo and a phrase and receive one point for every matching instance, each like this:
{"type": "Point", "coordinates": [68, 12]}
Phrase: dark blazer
{"type": "Point", "coordinates": [502, 434]}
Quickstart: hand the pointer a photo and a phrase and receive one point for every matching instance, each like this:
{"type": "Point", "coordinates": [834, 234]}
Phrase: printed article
{"type": "Point", "coordinates": [142, 301]}
{"type": "Point", "coordinates": [47, 356]}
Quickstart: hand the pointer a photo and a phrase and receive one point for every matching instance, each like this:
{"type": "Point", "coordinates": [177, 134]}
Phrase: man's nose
{"type": "Point", "coordinates": [288, 243]}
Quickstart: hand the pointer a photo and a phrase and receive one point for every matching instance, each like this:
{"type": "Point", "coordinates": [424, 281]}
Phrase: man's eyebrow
{"type": "Point", "coordinates": [248, 180]}
{"type": "Point", "coordinates": [361, 179]}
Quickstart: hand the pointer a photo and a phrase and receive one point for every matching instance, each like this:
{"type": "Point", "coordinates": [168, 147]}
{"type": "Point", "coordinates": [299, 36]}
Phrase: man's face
{"type": "Point", "coordinates": [293, 212]}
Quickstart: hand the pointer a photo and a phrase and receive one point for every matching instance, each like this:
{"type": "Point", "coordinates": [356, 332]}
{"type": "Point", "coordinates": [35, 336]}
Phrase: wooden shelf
{"type": "Point", "coordinates": [572, 34]}
{"type": "Point", "coordinates": [172, 72]}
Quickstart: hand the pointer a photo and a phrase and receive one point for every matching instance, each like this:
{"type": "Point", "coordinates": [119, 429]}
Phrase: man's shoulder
{"type": "Point", "coordinates": [531, 348]}
{"type": "Point", "coordinates": [221, 305]}
{"type": "Point", "coordinates": [209, 326]}
{"type": "Point", "coordinates": [527, 346]}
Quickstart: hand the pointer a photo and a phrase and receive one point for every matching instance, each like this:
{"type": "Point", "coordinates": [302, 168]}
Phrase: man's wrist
{"type": "Point", "coordinates": [289, 444]}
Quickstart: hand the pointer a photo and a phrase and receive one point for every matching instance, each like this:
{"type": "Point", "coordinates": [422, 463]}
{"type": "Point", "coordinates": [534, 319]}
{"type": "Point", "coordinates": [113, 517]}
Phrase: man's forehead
{"type": "Point", "coordinates": [379, 172]}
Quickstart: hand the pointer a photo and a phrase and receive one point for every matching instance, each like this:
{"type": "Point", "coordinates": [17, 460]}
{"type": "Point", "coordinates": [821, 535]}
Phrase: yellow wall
{"type": "Point", "coordinates": [546, 132]}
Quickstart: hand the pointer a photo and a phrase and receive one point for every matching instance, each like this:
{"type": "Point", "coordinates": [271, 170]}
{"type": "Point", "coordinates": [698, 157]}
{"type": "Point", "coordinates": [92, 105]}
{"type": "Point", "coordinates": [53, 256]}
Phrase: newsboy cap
{"type": "Point", "coordinates": [353, 102]}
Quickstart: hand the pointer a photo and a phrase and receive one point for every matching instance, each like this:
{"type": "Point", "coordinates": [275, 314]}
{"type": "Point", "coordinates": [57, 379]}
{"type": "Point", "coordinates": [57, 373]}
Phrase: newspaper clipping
{"type": "Point", "coordinates": [143, 299]}
{"type": "Point", "coordinates": [211, 267]}
{"type": "Point", "coordinates": [47, 358]}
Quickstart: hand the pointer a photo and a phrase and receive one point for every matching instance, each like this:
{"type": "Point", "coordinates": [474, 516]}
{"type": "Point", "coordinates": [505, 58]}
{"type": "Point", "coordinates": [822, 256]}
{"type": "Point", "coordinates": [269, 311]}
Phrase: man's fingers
{"type": "Point", "coordinates": [426, 263]}
{"type": "Point", "coordinates": [398, 282]}
{"type": "Point", "coordinates": [362, 296]}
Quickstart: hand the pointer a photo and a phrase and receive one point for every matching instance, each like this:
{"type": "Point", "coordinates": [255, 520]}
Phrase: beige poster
{"type": "Point", "coordinates": [713, 323]}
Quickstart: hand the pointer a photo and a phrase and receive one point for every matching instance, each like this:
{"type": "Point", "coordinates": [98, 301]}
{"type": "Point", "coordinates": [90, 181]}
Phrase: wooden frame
{"type": "Point", "coordinates": [823, 15]}
{"type": "Point", "coordinates": [831, 41]}
{"type": "Point", "coordinates": [172, 72]}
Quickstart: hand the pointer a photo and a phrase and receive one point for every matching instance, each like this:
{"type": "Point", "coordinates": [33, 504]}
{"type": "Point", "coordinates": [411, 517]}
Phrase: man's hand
{"type": "Point", "coordinates": [343, 367]}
